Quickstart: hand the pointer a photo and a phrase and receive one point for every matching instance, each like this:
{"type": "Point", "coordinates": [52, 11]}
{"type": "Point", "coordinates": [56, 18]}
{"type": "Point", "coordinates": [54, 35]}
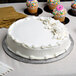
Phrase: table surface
{"type": "Point", "coordinates": [64, 67]}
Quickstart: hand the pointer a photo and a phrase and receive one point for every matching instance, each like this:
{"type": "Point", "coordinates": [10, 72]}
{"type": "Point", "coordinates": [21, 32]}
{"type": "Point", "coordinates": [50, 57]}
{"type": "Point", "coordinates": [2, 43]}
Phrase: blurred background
{"type": "Point", "coordinates": [14, 1]}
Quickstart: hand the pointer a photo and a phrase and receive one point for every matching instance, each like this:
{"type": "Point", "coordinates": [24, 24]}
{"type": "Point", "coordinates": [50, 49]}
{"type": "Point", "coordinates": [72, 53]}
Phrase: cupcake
{"type": "Point", "coordinates": [73, 6]}
{"type": "Point", "coordinates": [32, 6]}
{"type": "Point", "coordinates": [59, 13]}
{"type": "Point", "coordinates": [52, 4]}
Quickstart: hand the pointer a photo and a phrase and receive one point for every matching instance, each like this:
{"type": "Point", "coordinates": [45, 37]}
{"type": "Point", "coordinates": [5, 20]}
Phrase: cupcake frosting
{"type": "Point", "coordinates": [32, 3]}
{"type": "Point", "coordinates": [74, 5]}
{"type": "Point", "coordinates": [60, 10]}
{"type": "Point", "coordinates": [53, 2]}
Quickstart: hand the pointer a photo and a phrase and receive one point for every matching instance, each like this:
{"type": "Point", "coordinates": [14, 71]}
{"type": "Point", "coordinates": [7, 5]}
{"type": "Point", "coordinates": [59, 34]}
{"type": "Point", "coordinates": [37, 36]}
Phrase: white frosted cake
{"type": "Point", "coordinates": [38, 38]}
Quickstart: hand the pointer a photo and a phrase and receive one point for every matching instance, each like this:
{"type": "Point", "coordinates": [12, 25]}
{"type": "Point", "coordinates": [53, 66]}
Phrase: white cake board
{"type": "Point", "coordinates": [34, 61]}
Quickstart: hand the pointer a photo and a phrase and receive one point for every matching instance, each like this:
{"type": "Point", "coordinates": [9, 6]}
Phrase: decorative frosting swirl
{"type": "Point", "coordinates": [32, 3]}
{"type": "Point", "coordinates": [59, 7]}
{"type": "Point", "coordinates": [74, 4]}
{"type": "Point", "coordinates": [53, 2]}
{"type": "Point", "coordinates": [58, 29]}
{"type": "Point", "coordinates": [60, 10]}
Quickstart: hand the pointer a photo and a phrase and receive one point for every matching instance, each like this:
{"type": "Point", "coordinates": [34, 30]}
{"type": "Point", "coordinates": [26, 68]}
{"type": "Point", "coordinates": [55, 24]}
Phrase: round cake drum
{"type": "Point", "coordinates": [33, 61]}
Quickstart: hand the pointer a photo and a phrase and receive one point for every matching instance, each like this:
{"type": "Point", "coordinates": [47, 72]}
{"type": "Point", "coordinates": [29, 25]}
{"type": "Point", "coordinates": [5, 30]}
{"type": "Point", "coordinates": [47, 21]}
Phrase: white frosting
{"type": "Point", "coordinates": [38, 37]}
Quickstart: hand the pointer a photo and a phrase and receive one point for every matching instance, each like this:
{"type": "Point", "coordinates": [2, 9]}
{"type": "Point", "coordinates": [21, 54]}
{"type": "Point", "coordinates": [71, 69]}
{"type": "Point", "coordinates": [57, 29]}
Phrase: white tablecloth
{"type": "Point", "coordinates": [64, 67]}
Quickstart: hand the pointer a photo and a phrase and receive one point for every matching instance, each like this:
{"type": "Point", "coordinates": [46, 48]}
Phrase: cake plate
{"type": "Point", "coordinates": [34, 61]}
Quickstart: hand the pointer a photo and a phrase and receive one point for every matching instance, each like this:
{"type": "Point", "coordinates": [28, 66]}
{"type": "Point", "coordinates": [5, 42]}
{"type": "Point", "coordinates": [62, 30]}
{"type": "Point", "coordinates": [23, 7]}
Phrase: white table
{"type": "Point", "coordinates": [64, 67]}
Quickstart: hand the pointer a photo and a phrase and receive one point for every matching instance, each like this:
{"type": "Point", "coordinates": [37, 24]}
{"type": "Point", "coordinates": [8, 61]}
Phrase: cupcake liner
{"type": "Point", "coordinates": [61, 19]}
{"type": "Point", "coordinates": [60, 16]}
{"type": "Point", "coordinates": [32, 8]}
{"type": "Point", "coordinates": [39, 11]}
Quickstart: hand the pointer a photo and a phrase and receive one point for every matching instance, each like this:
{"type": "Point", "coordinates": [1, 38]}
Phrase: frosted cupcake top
{"type": "Point", "coordinates": [32, 3]}
{"type": "Point", "coordinates": [74, 5]}
{"type": "Point", "coordinates": [60, 10]}
{"type": "Point", "coordinates": [53, 2]}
